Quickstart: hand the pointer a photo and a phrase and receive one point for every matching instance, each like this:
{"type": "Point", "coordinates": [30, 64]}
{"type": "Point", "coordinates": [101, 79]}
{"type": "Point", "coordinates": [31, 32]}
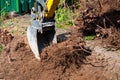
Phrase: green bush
{"type": "Point", "coordinates": [64, 17]}
{"type": "Point", "coordinates": [4, 14]}
{"type": "Point", "coordinates": [66, 13]}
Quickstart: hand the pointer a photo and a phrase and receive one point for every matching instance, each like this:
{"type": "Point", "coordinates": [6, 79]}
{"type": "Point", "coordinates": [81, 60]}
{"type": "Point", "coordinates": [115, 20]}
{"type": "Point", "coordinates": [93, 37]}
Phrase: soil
{"type": "Point", "coordinates": [68, 60]}
{"type": "Point", "coordinates": [5, 37]}
{"type": "Point", "coordinates": [72, 59]}
{"type": "Point", "coordinates": [101, 18]}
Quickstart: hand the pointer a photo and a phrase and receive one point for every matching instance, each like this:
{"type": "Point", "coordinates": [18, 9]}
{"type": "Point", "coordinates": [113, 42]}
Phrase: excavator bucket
{"type": "Point", "coordinates": [38, 41]}
{"type": "Point", "coordinates": [42, 31]}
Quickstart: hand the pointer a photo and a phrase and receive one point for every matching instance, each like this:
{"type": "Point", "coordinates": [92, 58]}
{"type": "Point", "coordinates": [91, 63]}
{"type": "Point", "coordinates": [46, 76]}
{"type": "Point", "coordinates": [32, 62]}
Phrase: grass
{"type": "Point", "coordinates": [1, 47]}
{"type": "Point", "coordinates": [0, 21]}
{"type": "Point", "coordinates": [3, 15]}
{"type": "Point", "coordinates": [89, 37]}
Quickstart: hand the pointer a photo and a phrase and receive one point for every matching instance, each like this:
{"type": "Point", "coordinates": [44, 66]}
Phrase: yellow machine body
{"type": "Point", "coordinates": [51, 7]}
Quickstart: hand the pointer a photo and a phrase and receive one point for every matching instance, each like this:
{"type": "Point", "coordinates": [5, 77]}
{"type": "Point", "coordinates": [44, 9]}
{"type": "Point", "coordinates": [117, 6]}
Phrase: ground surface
{"type": "Point", "coordinates": [73, 59]}
{"type": "Point", "coordinates": [68, 60]}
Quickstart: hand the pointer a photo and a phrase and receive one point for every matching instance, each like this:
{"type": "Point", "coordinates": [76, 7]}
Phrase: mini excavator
{"type": "Point", "coordinates": [42, 31]}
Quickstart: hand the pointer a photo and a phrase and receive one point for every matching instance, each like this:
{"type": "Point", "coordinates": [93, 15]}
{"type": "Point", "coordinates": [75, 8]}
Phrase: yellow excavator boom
{"type": "Point", "coordinates": [51, 7]}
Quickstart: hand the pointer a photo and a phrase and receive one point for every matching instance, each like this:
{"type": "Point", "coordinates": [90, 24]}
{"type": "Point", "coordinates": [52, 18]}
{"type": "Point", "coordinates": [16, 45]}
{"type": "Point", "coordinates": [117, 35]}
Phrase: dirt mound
{"type": "Point", "coordinates": [68, 60]}
{"type": "Point", "coordinates": [66, 57]}
{"type": "Point", "coordinates": [5, 37]}
{"type": "Point", "coordinates": [57, 59]}
{"type": "Point", "coordinates": [101, 18]}
{"type": "Point", "coordinates": [113, 41]}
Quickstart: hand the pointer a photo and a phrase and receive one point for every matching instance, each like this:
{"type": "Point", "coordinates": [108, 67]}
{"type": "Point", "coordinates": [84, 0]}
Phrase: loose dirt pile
{"type": "Point", "coordinates": [102, 18]}
{"type": "Point", "coordinates": [69, 60]}
{"type": "Point", "coordinates": [65, 58]}
{"type": "Point", "coordinates": [113, 41]}
{"type": "Point", "coordinates": [5, 37]}
{"type": "Point", "coordinates": [57, 60]}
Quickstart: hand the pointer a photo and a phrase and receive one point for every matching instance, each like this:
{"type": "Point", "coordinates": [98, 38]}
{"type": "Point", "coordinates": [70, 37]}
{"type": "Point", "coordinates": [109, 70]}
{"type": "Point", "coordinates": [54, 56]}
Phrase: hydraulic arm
{"type": "Point", "coordinates": [41, 32]}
